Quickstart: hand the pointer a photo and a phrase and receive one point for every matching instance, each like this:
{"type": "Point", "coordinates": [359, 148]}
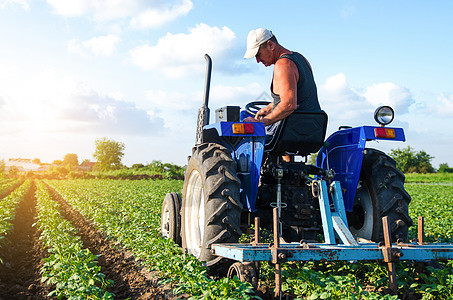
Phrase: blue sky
{"type": "Point", "coordinates": [73, 71]}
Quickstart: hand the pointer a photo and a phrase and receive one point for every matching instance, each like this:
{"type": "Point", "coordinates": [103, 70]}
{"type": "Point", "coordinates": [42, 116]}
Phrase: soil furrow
{"type": "Point", "coordinates": [22, 255]}
{"type": "Point", "coordinates": [130, 279]}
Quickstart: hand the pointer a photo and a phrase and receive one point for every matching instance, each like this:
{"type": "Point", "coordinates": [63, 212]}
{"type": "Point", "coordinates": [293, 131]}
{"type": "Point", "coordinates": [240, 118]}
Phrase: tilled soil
{"type": "Point", "coordinates": [23, 252]}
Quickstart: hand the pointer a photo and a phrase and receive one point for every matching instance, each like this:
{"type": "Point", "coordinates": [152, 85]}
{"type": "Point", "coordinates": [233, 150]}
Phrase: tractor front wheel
{"type": "Point", "coordinates": [380, 193]}
{"type": "Point", "coordinates": [211, 207]}
{"type": "Point", "coordinates": [170, 220]}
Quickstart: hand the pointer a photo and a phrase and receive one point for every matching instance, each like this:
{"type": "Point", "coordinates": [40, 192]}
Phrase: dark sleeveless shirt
{"type": "Point", "coordinates": [307, 95]}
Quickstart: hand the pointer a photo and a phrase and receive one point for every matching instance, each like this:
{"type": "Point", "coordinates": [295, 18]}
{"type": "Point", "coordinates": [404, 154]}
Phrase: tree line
{"type": "Point", "coordinates": [109, 154]}
{"type": "Point", "coordinates": [408, 160]}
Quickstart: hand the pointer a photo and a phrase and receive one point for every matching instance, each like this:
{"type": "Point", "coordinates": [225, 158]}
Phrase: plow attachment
{"type": "Point", "coordinates": [248, 256]}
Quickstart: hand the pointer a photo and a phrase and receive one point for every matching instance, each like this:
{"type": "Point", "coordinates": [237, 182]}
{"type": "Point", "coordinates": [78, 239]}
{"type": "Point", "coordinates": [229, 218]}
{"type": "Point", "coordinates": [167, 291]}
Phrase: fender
{"type": "Point", "coordinates": [343, 153]}
{"type": "Point", "coordinates": [247, 150]}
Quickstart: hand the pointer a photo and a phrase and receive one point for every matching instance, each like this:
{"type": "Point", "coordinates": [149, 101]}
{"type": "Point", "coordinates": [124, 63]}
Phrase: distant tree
{"type": "Point", "coordinates": [36, 161]}
{"type": "Point", "coordinates": [444, 168]}
{"type": "Point", "coordinates": [2, 166]}
{"type": "Point", "coordinates": [108, 154]}
{"type": "Point", "coordinates": [71, 160]}
{"type": "Point", "coordinates": [166, 169]}
{"type": "Point", "coordinates": [138, 166]}
{"type": "Point", "coordinates": [57, 162]}
{"type": "Point", "coordinates": [410, 161]}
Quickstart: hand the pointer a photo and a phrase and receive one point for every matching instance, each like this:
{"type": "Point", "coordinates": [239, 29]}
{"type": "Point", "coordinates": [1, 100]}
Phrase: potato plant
{"type": "Point", "coordinates": [7, 185]}
{"type": "Point", "coordinates": [8, 207]}
{"type": "Point", "coordinates": [129, 213]}
{"type": "Point", "coordinates": [71, 269]}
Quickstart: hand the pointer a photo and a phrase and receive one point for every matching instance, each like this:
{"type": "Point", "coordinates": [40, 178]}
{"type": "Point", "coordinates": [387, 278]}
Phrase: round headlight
{"type": "Point", "coordinates": [384, 115]}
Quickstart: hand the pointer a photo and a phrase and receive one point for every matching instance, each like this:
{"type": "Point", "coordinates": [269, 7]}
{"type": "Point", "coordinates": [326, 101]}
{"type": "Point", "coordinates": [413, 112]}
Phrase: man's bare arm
{"type": "Point", "coordinates": [285, 85]}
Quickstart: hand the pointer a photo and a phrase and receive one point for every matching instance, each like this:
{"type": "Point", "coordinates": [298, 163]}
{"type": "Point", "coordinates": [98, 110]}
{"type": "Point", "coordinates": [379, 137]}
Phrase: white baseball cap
{"type": "Point", "coordinates": [256, 38]}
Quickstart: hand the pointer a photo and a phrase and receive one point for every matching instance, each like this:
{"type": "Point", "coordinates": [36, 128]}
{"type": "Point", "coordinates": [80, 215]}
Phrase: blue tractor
{"type": "Point", "coordinates": [236, 173]}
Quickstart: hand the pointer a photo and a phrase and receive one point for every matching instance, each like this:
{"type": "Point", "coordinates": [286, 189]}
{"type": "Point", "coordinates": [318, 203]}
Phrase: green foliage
{"type": "Point", "coordinates": [7, 185]}
{"type": "Point", "coordinates": [154, 170]}
{"type": "Point", "coordinates": [137, 166]}
{"type": "Point", "coordinates": [2, 166]}
{"type": "Point", "coordinates": [13, 171]}
{"type": "Point", "coordinates": [429, 178]}
{"type": "Point", "coordinates": [330, 281]}
{"type": "Point", "coordinates": [70, 269]}
{"type": "Point", "coordinates": [410, 161]}
{"type": "Point", "coordinates": [108, 154]}
{"type": "Point", "coordinates": [438, 284]}
{"type": "Point", "coordinates": [432, 201]}
{"type": "Point", "coordinates": [129, 213]}
{"type": "Point", "coordinates": [8, 207]}
{"type": "Point", "coordinates": [168, 170]}
{"type": "Point", "coordinates": [444, 168]}
{"type": "Point", "coordinates": [71, 160]}
{"type": "Point", "coordinates": [57, 162]}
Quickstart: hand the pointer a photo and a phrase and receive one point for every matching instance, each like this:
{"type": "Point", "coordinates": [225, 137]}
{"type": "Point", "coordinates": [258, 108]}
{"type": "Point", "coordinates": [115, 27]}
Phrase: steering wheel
{"type": "Point", "coordinates": [253, 107]}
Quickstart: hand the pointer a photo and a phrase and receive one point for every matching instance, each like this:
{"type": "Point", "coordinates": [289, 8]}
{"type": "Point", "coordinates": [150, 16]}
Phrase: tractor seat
{"type": "Point", "coordinates": [301, 133]}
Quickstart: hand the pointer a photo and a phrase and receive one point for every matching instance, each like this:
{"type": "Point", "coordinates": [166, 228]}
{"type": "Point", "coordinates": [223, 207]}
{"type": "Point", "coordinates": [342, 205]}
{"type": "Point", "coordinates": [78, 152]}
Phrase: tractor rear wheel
{"type": "Point", "coordinates": [211, 207]}
{"type": "Point", "coordinates": [380, 193]}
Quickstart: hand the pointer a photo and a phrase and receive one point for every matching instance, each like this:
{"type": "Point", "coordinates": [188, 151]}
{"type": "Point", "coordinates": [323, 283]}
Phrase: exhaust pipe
{"type": "Point", "coordinates": [203, 112]}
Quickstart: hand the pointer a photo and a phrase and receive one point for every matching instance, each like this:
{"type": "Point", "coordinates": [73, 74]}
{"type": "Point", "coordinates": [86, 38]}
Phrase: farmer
{"type": "Point", "coordinates": [293, 86]}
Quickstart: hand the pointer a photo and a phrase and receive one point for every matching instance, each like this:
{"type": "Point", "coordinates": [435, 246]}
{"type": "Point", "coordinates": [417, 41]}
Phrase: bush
{"type": "Point", "coordinates": [137, 166]}
{"type": "Point", "coordinates": [410, 161]}
{"type": "Point", "coordinates": [444, 168]}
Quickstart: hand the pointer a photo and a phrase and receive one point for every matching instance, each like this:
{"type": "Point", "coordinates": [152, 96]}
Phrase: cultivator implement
{"type": "Point", "coordinates": [334, 222]}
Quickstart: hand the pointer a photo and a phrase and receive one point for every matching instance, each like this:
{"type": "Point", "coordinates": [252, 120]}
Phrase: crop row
{"type": "Point", "coordinates": [129, 213]}
{"type": "Point", "coordinates": [8, 207]}
{"type": "Point", "coordinates": [70, 268]}
{"type": "Point", "coordinates": [7, 186]}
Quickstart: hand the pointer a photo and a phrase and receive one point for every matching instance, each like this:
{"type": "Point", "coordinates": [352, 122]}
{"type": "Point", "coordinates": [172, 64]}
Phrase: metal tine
{"type": "Point", "coordinates": [278, 270]}
{"type": "Point", "coordinates": [388, 255]}
{"type": "Point", "coordinates": [421, 230]}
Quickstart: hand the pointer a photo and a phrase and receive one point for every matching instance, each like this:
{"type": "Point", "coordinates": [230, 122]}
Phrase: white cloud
{"type": "Point", "coordinates": [443, 106]}
{"type": "Point", "coordinates": [179, 55]}
{"type": "Point", "coordinates": [342, 103]}
{"type": "Point", "coordinates": [153, 17]}
{"type": "Point", "coordinates": [99, 46]}
{"type": "Point", "coordinates": [235, 95]}
{"type": "Point", "coordinates": [179, 110]}
{"type": "Point", "coordinates": [70, 8]}
{"type": "Point", "coordinates": [389, 94]}
{"type": "Point", "coordinates": [13, 3]}
{"type": "Point", "coordinates": [45, 102]}
{"type": "Point", "coordinates": [141, 13]}
{"type": "Point", "coordinates": [347, 105]}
